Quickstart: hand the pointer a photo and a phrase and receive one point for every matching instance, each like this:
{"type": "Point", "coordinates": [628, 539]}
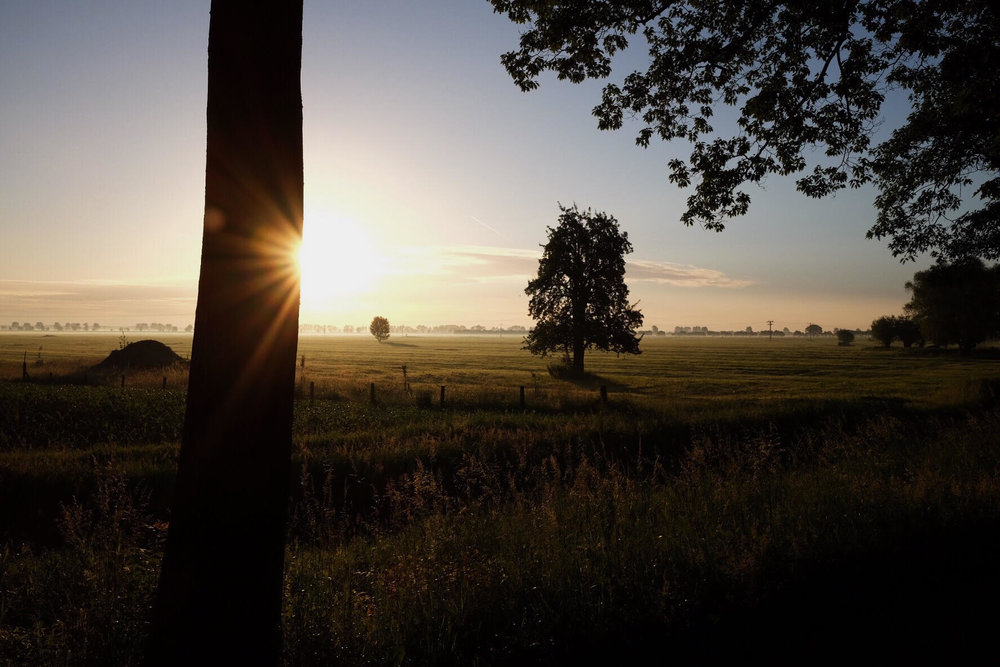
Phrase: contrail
{"type": "Point", "coordinates": [487, 226]}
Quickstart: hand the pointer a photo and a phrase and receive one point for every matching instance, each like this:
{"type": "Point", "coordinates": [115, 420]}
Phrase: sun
{"type": "Point", "coordinates": [337, 259]}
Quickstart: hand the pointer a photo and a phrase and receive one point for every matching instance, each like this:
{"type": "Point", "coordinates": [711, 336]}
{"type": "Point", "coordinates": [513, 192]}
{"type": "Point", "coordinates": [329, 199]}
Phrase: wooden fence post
{"type": "Point", "coordinates": [442, 396]}
{"type": "Point", "coordinates": [164, 381]}
{"type": "Point", "coordinates": [123, 382]}
{"type": "Point", "coordinates": [371, 392]}
{"type": "Point", "coordinates": [312, 391]}
{"type": "Point", "coordinates": [522, 397]}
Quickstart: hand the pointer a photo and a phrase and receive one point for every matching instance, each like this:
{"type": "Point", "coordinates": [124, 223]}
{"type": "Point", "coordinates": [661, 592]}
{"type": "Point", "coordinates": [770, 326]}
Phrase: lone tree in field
{"type": "Point", "coordinates": [807, 82]}
{"type": "Point", "coordinates": [814, 330]}
{"type": "Point", "coordinates": [956, 303]}
{"type": "Point", "coordinates": [379, 328]}
{"type": "Point", "coordinates": [579, 299]}
{"type": "Point", "coordinates": [219, 595]}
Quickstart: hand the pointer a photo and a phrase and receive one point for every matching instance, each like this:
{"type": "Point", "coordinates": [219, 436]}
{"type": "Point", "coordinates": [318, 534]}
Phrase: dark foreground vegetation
{"type": "Point", "coordinates": [482, 534]}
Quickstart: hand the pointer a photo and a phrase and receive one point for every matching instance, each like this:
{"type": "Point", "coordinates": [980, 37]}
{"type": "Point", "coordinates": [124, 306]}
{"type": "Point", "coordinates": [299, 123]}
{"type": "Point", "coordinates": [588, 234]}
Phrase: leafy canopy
{"type": "Point", "coordinates": [890, 327]}
{"type": "Point", "coordinates": [956, 303]}
{"type": "Point", "coordinates": [379, 328]}
{"type": "Point", "coordinates": [809, 81]}
{"type": "Point", "coordinates": [579, 298]}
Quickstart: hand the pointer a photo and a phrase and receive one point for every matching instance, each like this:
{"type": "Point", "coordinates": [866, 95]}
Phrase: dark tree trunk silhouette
{"type": "Point", "coordinates": [579, 324]}
{"type": "Point", "coordinates": [219, 596]}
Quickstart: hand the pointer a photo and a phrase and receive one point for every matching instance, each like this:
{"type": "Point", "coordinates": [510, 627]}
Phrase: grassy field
{"type": "Point", "coordinates": [686, 371]}
{"type": "Point", "coordinates": [788, 500]}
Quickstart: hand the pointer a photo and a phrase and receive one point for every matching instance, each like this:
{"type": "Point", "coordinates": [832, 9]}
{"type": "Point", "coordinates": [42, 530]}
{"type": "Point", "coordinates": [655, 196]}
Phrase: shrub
{"type": "Point", "coordinates": [845, 337]}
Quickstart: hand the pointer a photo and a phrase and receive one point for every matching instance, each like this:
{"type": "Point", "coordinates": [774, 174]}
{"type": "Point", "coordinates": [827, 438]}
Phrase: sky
{"type": "Point", "coordinates": [430, 180]}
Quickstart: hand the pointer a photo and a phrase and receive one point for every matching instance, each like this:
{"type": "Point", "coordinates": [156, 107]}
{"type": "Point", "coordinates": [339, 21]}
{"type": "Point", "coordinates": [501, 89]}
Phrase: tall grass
{"type": "Point", "coordinates": [512, 557]}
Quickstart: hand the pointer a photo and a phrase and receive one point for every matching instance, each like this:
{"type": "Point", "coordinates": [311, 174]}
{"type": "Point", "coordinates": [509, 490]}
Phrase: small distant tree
{"type": "Point", "coordinates": [379, 328]}
{"type": "Point", "coordinates": [845, 336]}
{"type": "Point", "coordinates": [579, 298]}
{"type": "Point", "coordinates": [814, 330]}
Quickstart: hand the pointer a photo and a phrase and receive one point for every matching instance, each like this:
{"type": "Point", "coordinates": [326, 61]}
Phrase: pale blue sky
{"type": "Point", "coordinates": [430, 179]}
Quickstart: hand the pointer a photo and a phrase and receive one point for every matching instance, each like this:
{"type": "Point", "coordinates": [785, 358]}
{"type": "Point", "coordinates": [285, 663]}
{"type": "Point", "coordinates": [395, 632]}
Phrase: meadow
{"type": "Point", "coordinates": [734, 498]}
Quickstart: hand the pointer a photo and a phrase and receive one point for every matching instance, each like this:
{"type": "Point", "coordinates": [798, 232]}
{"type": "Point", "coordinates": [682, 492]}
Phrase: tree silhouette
{"type": "Point", "coordinates": [801, 77]}
{"type": "Point", "coordinates": [956, 303]}
{"type": "Point", "coordinates": [379, 328]}
{"type": "Point", "coordinates": [884, 330]}
{"type": "Point", "coordinates": [889, 328]}
{"type": "Point", "coordinates": [908, 332]}
{"type": "Point", "coordinates": [579, 297]}
{"type": "Point", "coordinates": [814, 330]}
{"type": "Point", "coordinates": [219, 595]}
{"type": "Point", "coordinates": [845, 336]}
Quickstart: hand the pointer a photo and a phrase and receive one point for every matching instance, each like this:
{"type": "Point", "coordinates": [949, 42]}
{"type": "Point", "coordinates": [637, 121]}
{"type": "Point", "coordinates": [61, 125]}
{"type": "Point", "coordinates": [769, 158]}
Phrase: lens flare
{"type": "Point", "coordinates": [337, 260]}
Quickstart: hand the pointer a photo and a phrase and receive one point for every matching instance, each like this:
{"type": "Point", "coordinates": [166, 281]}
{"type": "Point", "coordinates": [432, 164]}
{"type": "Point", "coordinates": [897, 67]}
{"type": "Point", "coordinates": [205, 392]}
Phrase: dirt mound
{"type": "Point", "coordinates": [142, 354]}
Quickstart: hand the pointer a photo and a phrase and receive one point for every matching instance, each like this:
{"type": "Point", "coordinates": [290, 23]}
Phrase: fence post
{"type": "Point", "coordinates": [604, 393]}
{"type": "Point", "coordinates": [123, 382]}
{"type": "Point", "coordinates": [522, 397]}
{"type": "Point", "coordinates": [164, 381]}
{"type": "Point", "coordinates": [371, 392]}
{"type": "Point", "coordinates": [442, 396]}
{"type": "Point", "coordinates": [312, 391]}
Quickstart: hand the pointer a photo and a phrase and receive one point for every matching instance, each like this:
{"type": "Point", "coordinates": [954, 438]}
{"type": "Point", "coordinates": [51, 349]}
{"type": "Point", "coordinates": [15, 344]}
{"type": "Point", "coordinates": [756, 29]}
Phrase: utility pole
{"type": "Point", "coordinates": [769, 332]}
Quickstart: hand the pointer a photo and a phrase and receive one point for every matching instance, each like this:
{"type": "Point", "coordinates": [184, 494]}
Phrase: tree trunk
{"type": "Point", "coordinates": [578, 350]}
{"type": "Point", "coordinates": [579, 322]}
{"type": "Point", "coordinates": [219, 596]}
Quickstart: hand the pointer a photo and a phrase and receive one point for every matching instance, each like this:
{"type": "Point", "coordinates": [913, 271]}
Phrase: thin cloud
{"type": "Point", "coordinates": [471, 263]}
{"type": "Point", "coordinates": [482, 263]}
{"type": "Point", "coordinates": [26, 298]}
{"type": "Point", "coordinates": [680, 275]}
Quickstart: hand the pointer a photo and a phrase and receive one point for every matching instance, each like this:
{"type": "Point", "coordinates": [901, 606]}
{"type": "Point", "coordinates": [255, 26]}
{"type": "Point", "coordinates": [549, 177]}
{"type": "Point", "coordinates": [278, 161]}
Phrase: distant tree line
{"type": "Point", "coordinates": [95, 326]}
{"type": "Point", "coordinates": [55, 326]}
{"type": "Point", "coordinates": [459, 329]}
{"type": "Point", "coordinates": [158, 327]}
{"type": "Point", "coordinates": [749, 331]}
{"type": "Point", "coordinates": [401, 329]}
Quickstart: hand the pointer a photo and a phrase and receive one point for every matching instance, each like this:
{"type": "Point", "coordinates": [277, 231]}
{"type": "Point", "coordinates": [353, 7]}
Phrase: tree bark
{"type": "Point", "coordinates": [219, 595]}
